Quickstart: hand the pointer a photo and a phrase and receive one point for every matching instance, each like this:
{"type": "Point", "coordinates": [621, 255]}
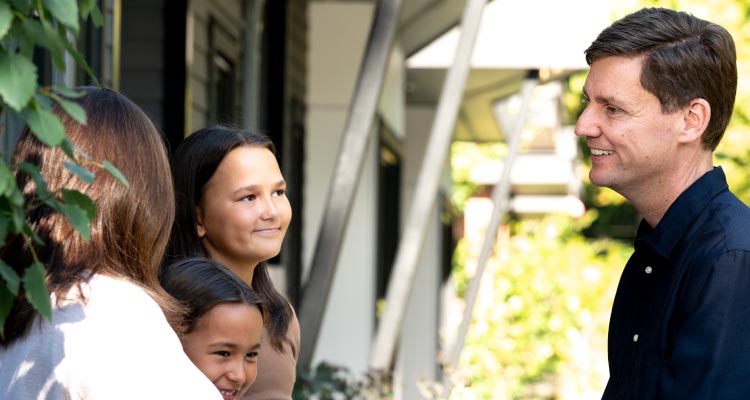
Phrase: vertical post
{"type": "Point", "coordinates": [116, 42]}
{"type": "Point", "coordinates": [251, 62]}
{"type": "Point", "coordinates": [500, 201]}
{"type": "Point", "coordinates": [410, 245]}
{"type": "Point", "coordinates": [346, 175]}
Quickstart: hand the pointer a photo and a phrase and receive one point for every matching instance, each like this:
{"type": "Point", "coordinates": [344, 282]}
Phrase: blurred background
{"type": "Point", "coordinates": [445, 241]}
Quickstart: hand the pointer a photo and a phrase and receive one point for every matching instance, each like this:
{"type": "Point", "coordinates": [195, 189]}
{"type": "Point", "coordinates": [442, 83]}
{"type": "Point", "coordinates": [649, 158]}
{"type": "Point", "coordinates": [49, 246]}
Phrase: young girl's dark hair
{"type": "Point", "coordinates": [194, 163]}
{"type": "Point", "coordinates": [200, 284]}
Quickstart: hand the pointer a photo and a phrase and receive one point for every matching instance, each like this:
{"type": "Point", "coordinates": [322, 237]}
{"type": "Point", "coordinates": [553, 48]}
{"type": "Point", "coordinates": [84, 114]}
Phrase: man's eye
{"type": "Point", "coordinates": [252, 355]}
{"type": "Point", "coordinates": [611, 110]}
{"type": "Point", "coordinates": [222, 353]}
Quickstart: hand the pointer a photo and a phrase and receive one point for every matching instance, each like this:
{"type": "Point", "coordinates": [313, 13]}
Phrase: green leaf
{"type": "Point", "coordinates": [78, 217]}
{"type": "Point", "coordinates": [21, 5]}
{"type": "Point", "coordinates": [26, 45]}
{"type": "Point", "coordinates": [17, 80]}
{"type": "Point", "coordinates": [65, 11]}
{"type": "Point", "coordinates": [68, 92]}
{"type": "Point", "coordinates": [81, 200]}
{"type": "Point", "coordinates": [36, 289]}
{"type": "Point", "coordinates": [85, 175]}
{"type": "Point", "coordinates": [86, 7]}
{"type": "Point", "coordinates": [67, 147]}
{"type": "Point", "coordinates": [46, 126]}
{"type": "Point", "coordinates": [15, 197]}
{"type": "Point", "coordinates": [10, 210]}
{"type": "Point", "coordinates": [43, 101]}
{"type": "Point", "coordinates": [6, 303]}
{"type": "Point", "coordinates": [96, 17]}
{"type": "Point", "coordinates": [16, 219]}
{"type": "Point", "coordinates": [26, 230]}
{"type": "Point", "coordinates": [73, 109]}
{"type": "Point", "coordinates": [41, 186]}
{"type": "Point", "coordinates": [6, 179]}
{"type": "Point", "coordinates": [6, 19]}
{"type": "Point", "coordinates": [81, 61]}
{"type": "Point", "coordinates": [71, 150]}
{"type": "Point", "coordinates": [115, 172]}
{"type": "Point", "coordinates": [12, 280]}
{"type": "Point", "coordinates": [44, 34]}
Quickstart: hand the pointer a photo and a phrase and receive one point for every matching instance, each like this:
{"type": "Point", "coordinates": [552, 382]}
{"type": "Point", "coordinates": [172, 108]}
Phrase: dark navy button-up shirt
{"type": "Point", "coordinates": [680, 324]}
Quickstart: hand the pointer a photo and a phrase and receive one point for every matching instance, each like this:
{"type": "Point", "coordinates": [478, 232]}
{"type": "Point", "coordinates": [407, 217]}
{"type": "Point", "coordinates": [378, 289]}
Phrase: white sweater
{"type": "Point", "coordinates": [117, 345]}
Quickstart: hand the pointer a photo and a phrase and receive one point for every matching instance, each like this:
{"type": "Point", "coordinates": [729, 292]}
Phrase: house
{"type": "Point", "coordinates": [355, 94]}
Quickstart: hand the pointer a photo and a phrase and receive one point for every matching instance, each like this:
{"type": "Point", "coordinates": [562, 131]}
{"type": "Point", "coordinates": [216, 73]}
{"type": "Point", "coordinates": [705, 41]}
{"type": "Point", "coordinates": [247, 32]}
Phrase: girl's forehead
{"type": "Point", "coordinates": [245, 166]}
{"type": "Point", "coordinates": [248, 158]}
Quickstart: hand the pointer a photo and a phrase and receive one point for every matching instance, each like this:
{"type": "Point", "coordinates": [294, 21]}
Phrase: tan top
{"type": "Point", "coordinates": [276, 371]}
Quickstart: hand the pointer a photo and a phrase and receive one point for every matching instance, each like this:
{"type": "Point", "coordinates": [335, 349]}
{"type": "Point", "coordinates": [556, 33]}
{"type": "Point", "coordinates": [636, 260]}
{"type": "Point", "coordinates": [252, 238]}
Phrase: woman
{"type": "Point", "coordinates": [221, 328]}
{"type": "Point", "coordinates": [108, 337]}
{"type": "Point", "coordinates": [231, 207]}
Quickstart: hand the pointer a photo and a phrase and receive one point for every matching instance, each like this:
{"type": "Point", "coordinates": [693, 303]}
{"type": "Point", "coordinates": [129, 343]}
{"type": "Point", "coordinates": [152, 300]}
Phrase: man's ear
{"type": "Point", "coordinates": [200, 229]}
{"type": "Point", "coordinates": [696, 117]}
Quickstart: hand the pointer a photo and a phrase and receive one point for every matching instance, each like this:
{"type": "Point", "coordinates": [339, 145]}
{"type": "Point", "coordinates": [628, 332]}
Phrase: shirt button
{"type": "Point", "coordinates": [649, 269]}
{"type": "Point", "coordinates": [635, 337]}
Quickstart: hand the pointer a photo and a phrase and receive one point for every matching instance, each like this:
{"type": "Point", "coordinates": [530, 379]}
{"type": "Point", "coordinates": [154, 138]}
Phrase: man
{"type": "Point", "coordinates": [660, 94]}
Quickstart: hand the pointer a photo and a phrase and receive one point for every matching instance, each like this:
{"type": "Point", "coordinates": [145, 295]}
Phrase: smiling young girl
{"type": "Point", "coordinates": [222, 325]}
{"type": "Point", "coordinates": [231, 206]}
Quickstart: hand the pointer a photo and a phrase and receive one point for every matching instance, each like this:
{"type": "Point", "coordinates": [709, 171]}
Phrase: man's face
{"type": "Point", "coordinates": [633, 143]}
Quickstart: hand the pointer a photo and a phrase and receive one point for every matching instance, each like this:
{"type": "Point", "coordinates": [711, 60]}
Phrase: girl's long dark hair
{"type": "Point", "coordinates": [193, 164]}
{"type": "Point", "coordinates": [129, 232]}
{"type": "Point", "coordinates": [201, 284]}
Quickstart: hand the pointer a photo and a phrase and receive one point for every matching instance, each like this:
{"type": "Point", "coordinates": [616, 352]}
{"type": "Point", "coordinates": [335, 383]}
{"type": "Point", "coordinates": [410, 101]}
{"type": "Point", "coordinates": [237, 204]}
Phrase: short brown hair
{"type": "Point", "coordinates": [685, 58]}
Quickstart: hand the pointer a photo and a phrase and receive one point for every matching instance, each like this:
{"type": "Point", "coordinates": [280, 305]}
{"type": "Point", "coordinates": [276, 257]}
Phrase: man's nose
{"type": "Point", "coordinates": [586, 125]}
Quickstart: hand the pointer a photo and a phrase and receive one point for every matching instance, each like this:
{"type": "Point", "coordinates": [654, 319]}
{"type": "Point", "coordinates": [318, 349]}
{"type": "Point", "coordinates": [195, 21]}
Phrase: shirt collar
{"type": "Point", "coordinates": [664, 238]}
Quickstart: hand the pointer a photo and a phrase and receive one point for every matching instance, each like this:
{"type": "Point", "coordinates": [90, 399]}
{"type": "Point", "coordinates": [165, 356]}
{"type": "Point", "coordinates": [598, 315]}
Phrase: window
{"type": "Point", "coordinates": [389, 207]}
{"type": "Point", "coordinates": [222, 75]}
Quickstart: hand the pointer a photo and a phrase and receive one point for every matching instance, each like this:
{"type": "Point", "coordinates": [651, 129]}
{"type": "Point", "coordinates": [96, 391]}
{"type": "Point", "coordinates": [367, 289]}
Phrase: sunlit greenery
{"type": "Point", "coordinates": [540, 321]}
{"type": "Point", "coordinates": [466, 156]}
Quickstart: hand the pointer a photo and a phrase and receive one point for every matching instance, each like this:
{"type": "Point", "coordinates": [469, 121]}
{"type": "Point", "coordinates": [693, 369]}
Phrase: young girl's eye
{"type": "Point", "coordinates": [224, 354]}
{"type": "Point", "coordinates": [252, 355]}
{"type": "Point", "coordinates": [279, 192]}
{"type": "Point", "coordinates": [249, 197]}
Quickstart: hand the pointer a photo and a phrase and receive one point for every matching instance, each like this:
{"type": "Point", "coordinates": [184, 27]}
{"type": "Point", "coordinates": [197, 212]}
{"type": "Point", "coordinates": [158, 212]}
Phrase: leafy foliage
{"type": "Point", "coordinates": [541, 317]}
{"type": "Point", "coordinates": [466, 156]}
{"type": "Point", "coordinates": [26, 25]}
{"type": "Point", "coordinates": [327, 381]}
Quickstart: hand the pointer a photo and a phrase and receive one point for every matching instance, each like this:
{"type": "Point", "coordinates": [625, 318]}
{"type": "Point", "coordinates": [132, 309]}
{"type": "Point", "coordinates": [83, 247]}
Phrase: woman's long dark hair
{"type": "Point", "coordinates": [201, 284]}
{"type": "Point", "coordinates": [193, 164]}
{"type": "Point", "coordinates": [129, 232]}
